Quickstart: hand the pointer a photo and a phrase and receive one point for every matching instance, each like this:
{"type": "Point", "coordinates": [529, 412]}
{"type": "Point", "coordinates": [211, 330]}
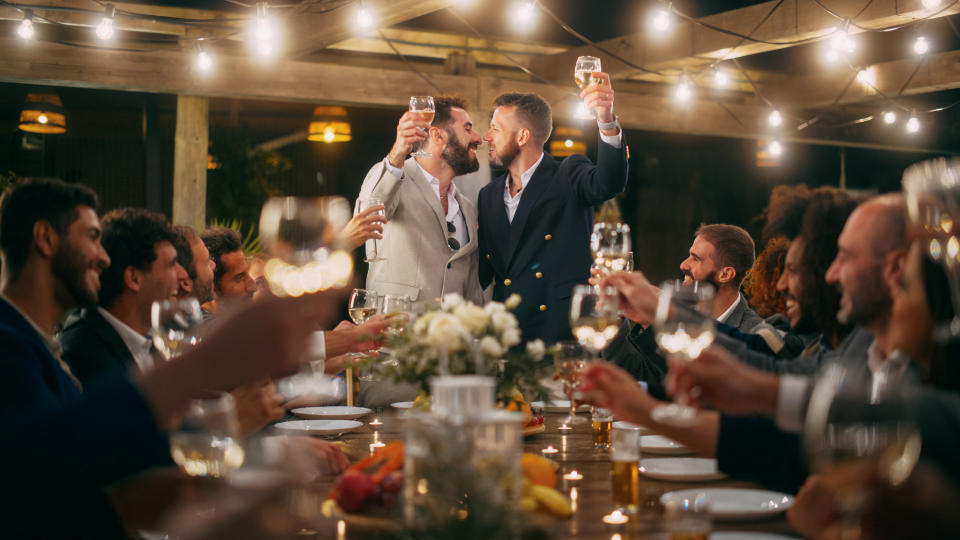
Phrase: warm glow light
{"type": "Point", "coordinates": [867, 77]}
{"type": "Point", "coordinates": [615, 518]}
{"type": "Point", "coordinates": [889, 117]}
{"type": "Point", "coordinates": [913, 125]}
{"type": "Point", "coordinates": [524, 13]}
{"type": "Point", "coordinates": [683, 93]}
{"type": "Point", "coordinates": [25, 30]}
{"type": "Point", "coordinates": [931, 4]}
{"type": "Point", "coordinates": [840, 44]}
{"type": "Point", "coordinates": [329, 134]}
{"type": "Point", "coordinates": [43, 119]}
{"type": "Point", "coordinates": [105, 29]}
{"type": "Point", "coordinates": [921, 45]}
{"type": "Point", "coordinates": [573, 475]}
{"type": "Point", "coordinates": [204, 61]}
{"type": "Point", "coordinates": [364, 18]}
{"type": "Point", "coordinates": [549, 450]}
{"type": "Point", "coordinates": [775, 119]}
{"type": "Point", "coordinates": [720, 78]}
{"type": "Point", "coordinates": [568, 143]}
{"type": "Point", "coordinates": [775, 148]}
{"type": "Point", "coordinates": [263, 33]}
{"type": "Point", "coordinates": [661, 20]}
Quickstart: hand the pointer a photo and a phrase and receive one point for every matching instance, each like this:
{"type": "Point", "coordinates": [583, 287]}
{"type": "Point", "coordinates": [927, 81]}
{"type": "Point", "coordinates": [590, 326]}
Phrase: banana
{"type": "Point", "coordinates": [552, 500]}
{"type": "Point", "coordinates": [528, 504]}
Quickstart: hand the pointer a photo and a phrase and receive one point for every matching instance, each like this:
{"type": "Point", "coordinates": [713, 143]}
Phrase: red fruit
{"type": "Point", "coordinates": [353, 490]}
{"type": "Point", "coordinates": [392, 483]}
{"type": "Point", "coordinates": [536, 420]}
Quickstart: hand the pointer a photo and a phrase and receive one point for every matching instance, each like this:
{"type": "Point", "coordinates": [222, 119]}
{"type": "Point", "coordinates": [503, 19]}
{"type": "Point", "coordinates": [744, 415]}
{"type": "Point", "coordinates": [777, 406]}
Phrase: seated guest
{"type": "Point", "coordinates": [115, 335]}
{"type": "Point", "coordinates": [231, 280]}
{"type": "Point", "coordinates": [195, 259]}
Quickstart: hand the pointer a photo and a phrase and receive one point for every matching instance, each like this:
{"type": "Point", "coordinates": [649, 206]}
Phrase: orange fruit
{"type": "Point", "coordinates": [538, 470]}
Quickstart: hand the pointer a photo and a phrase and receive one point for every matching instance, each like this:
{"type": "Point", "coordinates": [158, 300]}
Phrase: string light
{"type": "Point", "coordinates": [867, 77]}
{"type": "Point", "coordinates": [263, 33]}
{"type": "Point", "coordinates": [775, 148]}
{"type": "Point", "coordinates": [889, 117]}
{"type": "Point", "coordinates": [720, 78]}
{"type": "Point", "coordinates": [913, 124]}
{"type": "Point", "coordinates": [841, 43]}
{"type": "Point", "coordinates": [364, 18]}
{"type": "Point", "coordinates": [660, 20]}
{"type": "Point", "coordinates": [931, 4]}
{"type": "Point", "coordinates": [524, 13]}
{"type": "Point", "coordinates": [25, 30]}
{"type": "Point", "coordinates": [204, 61]}
{"type": "Point", "coordinates": [683, 93]}
{"type": "Point", "coordinates": [775, 119]}
{"type": "Point", "coordinates": [921, 45]}
{"type": "Point", "coordinates": [105, 29]}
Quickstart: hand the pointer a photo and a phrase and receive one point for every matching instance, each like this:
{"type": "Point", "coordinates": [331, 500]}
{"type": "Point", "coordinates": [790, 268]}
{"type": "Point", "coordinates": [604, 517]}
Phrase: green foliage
{"type": "Point", "coordinates": [251, 240]}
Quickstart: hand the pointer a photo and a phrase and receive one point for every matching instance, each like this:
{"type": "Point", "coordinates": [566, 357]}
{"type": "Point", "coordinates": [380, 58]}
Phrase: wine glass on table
{"type": "Point", "coordinates": [206, 443]}
{"type": "Point", "coordinates": [175, 325]}
{"type": "Point", "coordinates": [372, 246]}
{"type": "Point", "coordinates": [858, 434]}
{"type": "Point", "coordinates": [422, 105]}
{"type": "Point", "coordinates": [610, 244]}
{"type": "Point", "coordinates": [569, 360]}
{"type": "Point", "coordinates": [583, 72]}
{"type": "Point", "coordinates": [684, 328]}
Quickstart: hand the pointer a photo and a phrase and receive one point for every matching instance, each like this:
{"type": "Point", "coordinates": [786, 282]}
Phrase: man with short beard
{"type": "Point", "coordinates": [429, 245]}
{"type": "Point", "coordinates": [195, 259]}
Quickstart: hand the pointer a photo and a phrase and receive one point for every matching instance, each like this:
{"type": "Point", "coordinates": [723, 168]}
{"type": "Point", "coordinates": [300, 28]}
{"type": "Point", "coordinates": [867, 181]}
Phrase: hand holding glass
{"type": "Point", "coordinates": [175, 325]}
{"type": "Point", "coordinates": [423, 105]}
{"type": "Point", "coordinates": [594, 316]}
{"type": "Point", "coordinates": [569, 360]}
{"type": "Point", "coordinates": [583, 75]}
{"type": "Point", "coordinates": [206, 443]}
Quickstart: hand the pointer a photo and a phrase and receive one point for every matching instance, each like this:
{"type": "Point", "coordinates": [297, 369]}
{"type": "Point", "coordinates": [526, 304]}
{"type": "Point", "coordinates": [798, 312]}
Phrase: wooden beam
{"type": "Point", "coordinates": [190, 162]}
{"type": "Point", "coordinates": [690, 46]}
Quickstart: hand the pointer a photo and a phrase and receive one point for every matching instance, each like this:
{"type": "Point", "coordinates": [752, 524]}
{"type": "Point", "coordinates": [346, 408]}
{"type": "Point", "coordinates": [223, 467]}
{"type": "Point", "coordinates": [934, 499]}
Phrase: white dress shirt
{"type": "Point", "coordinates": [454, 215]}
{"type": "Point", "coordinates": [139, 346]}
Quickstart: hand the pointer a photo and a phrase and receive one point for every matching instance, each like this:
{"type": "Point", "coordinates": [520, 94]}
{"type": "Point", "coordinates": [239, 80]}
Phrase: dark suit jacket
{"type": "Point", "coordinates": [92, 348]}
{"type": "Point", "coordinates": [545, 251]}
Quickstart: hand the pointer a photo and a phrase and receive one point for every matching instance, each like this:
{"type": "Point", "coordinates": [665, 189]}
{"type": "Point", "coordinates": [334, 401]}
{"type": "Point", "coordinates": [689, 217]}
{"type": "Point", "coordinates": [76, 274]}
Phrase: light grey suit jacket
{"type": "Point", "coordinates": [418, 262]}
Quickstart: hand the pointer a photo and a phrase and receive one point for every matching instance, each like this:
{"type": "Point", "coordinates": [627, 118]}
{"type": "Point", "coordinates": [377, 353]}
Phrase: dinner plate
{"type": "Point", "coordinates": [658, 444]}
{"type": "Point", "coordinates": [736, 503]}
{"type": "Point", "coordinates": [748, 536]}
{"type": "Point", "coordinates": [620, 424]}
{"type": "Point", "coordinates": [681, 469]}
{"type": "Point", "coordinates": [318, 427]}
{"type": "Point", "coordinates": [557, 406]}
{"type": "Point", "coordinates": [331, 413]}
{"type": "Point", "coordinates": [402, 405]}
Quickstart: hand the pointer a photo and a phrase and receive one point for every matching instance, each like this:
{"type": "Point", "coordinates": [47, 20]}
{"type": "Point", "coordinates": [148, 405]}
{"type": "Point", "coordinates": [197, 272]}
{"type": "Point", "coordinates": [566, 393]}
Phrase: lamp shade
{"type": "Point", "coordinates": [43, 113]}
{"type": "Point", "coordinates": [567, 141]}
{"type": "Point", "coordinates": [329, 124]}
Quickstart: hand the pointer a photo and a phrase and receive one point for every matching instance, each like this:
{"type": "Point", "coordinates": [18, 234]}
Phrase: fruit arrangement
{"type": "Point", "coordinates": [538, 489]}
{"type": "Point", "coordinates": [516, 403]}
{"type": "Point", "coordinates": [376, 480]}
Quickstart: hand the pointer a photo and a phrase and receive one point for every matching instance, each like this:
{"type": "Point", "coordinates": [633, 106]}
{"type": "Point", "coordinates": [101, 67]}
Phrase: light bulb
{"type": "Point", "coordinates": [25, 30]}
{"type": "Point", "coordinates": [660, 21]}
{"type": "Point", "coordinates": [204, 61]}
{"type": "Point", "coordinates": [683, 92]}
{"type": "Point", "coordinates": [105, 29]}
{"type": "Point", "coordinates": [568, 143]}
{"type": "Point", "coordinates": [42, 118]}
{"type": "Point", "coordinates": [263, 33]}
{"type": "Point", "coordinates": [913, 125]}
{"type": "Point", "coordinates": [775, 119]}
{"type": "Point", "coordinates": [329, 134]}
{"type": "Point", "coordinates": [867, 77]}
{"type": "Point", "coordinates": [525, 11]}
{"type": "Point", "coordinates": [364, 19]}
{"type": "Point", "coordinates": [921, 45]}
{"type": "Point", "coordinates": [931, 4]}
{"type": "Point", "coordinates": [841, 43]}
{"type": "Point", "coordinates": [720, 78]}
{"type": "Point", "coordinates": [775, 148]}
{"type": "Point", "coordinates": [889, 117]}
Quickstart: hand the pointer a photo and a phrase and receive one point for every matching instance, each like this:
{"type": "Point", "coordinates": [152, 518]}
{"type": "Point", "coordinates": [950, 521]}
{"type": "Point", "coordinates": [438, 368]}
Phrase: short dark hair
{"type": "Point", "coordinates": [442, 106]}
{"type": "Point", "coordinates": [220, 241]}
{"type": "Point", "coordinates": [37, 199]}
{"type": "Point", "coordinates": [732, 246]}
{"type": "Point", "coordinates": [534, 112]}
{"type": "Point", "coordinates": [184, 237]}
{"type": "Point", "coordinates": [130, 237]}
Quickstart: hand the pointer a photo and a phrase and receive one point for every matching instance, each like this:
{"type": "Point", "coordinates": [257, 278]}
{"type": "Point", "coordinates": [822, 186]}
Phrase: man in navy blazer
{"type": "Point", "coordinates": [535, 220]}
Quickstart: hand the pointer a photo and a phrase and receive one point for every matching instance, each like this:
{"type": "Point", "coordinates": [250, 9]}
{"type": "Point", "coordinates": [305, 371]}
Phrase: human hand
{"type": "Point", "coordinates": [258, 404]}
{"type": "Point", "coordinates": [328, 456]}
{"type": "Point", "coordinates": [813, 511]}
{"type": "Point", "coordinates": [366, 225]}
{"type": "Point", "coordinates": [599, 97]}
{"type": "Point", "coordinates": [637, 296]}
{"type": "Point", "coordinates": [606, 385]}
{"type": "Point", "coordinates": [411, 129]}
{"type": "Point", "coordinates": [719, 378]}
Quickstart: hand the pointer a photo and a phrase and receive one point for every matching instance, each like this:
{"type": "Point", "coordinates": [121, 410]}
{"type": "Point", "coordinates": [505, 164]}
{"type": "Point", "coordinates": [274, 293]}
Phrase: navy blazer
{"type": "Point", "coordinates": [93, 348]}
{"type": "Point", "coordinates": [545, 251]}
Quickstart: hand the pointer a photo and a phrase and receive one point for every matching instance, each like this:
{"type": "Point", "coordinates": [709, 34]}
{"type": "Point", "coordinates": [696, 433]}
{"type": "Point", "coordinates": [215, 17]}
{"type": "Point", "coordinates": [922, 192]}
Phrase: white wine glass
{"type": "Point", "coordinates": [206, 443]}
{"type": "Point", "coordinates": [858, 431]}
{"type": "Point", "coordinates": [583, 72]}
{"type": "Point", "coordinates": [175, 325]}
{"type": "Point", "coordinates": [372, 246]}
{"type": "Point", "coordinates": [684, 328]}
{"type": "Point", "coordinates": [422, 105]}
{"type": "Point", "coordinates": [594, 316]}
{"type": "Point", "coordinates": [362, 305]}
{"type": "Point", "coordinates": [569, 360]}
{"type": "Point", "coordinates": [398, 309]}
{"type": "Point", "coordinates": [610, 244]}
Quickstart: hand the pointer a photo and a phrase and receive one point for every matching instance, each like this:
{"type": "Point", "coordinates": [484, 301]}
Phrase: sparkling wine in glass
{"type": "Point", "coordinates": [398, 309]}
{"type": "Point", "coordinates": [175, 325]}
{"type": "Point", "coordinates": [684, 328]}
{"type": "Point", "coordinates": [594, 316]}
{"type": "Point", "coordinates": [422, 105]}
{"type": "Point", "coordinates": [610, 244]}
{"type": "Point", "coordinates": [372, 246]}
{"type": "Point", "coordinates": [569, 362]}
{"type": "Point", "coordinates": [206, 443]}
{"type": "Point", "coordinates": [583, 75]}
{"type": "Point", "coordinates": [363, 305]}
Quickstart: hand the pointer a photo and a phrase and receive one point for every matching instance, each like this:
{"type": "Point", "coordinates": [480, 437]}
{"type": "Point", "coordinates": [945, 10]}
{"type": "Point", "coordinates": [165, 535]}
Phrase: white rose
{"type": "Point", "coordinates": [512, 301]}
{"type": "Point", "coordinates": [510, 337]}
{"type": "Point", "coordinates": [473, 317]}
{"type": "Point", "coordinates": [494, 307]}
{"type": "Point", "coordinates": [450, 301]}
{"type": "Point", "coordinates": [536, 349]}
{"type": "Point", "coordinates": [503, 320]}
{"type": "Point", "coordinates": [491, 347]}
{"type": "Point", "coordinates": [423, 322]}
{"type": "Point", "coordinates": [445, 330]}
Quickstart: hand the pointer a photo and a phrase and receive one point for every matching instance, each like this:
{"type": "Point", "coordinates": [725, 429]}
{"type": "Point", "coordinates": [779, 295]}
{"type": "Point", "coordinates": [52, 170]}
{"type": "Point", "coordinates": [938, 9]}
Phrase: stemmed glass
{"type": "Point", "coordinates": [206, 443]}
{"type": "Point", "coordinates": [684, 328]}
{"type": "Point", "coordinates": [583, 75]}
{"type": "Point", "coordinates": [175, 325]}
{"type": "Point", "coordinates": [857, 431]}
{"type": "Point", "coordinates": [594, 316]}
{"type": "Point", "coordinates": [610, 244]}
{"type": "Point", "coordinates": [424, 106]}
{"type": "Point", "coordinates": [363, 304]}
{"type": "Point", "coordinates": [372, 246]}
{"type": "Point", "coordinates": [570, 360]}
{"type": "Point", "coordinates": [398, 309]}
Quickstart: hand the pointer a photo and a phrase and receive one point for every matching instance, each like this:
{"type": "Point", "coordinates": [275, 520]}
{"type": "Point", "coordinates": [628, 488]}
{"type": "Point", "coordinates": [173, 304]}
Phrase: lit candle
{"type": "Point", "coordinates": [615, 537]}
{"type": "Point", "coordinates": [376, 422]}
{"type": "Point", "coordinates": [573, 475]}
{"type": "Point", "coordinates": [341, 530]}
{"type": "Point", "coordinates": [564, 427]}
{"type": "Point", "coordinates": [615, 518]}
{"type": "Point", "coordinates": [374, 446]}
{"type": "Point", "coordinates": [549, 450]}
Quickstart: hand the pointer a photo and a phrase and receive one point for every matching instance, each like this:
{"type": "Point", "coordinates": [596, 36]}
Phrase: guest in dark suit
{"type": "Point", "coordinates": [536, 219]}
{"type": "Point", "coordinates": [144, 269]}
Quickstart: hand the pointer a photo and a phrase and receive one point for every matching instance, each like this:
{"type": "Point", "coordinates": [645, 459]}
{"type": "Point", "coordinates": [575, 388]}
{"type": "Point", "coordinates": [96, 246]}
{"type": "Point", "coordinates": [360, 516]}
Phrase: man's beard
{"type": "Point", "coordinates": [457, 156]}
{"type": "Point", "coordinates": [70, 268]}
{"type": "Point", "coordinates": [510, 153]}
{"type": "Point", "coordinates": [710, 278]}
{"type": "Point", "coordinates": [203, 292]}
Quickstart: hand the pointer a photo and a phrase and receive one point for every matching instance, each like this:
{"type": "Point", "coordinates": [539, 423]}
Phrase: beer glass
{"type": "Point", "coordinates": [625, 468]}
{"type": "Point", "coordinates": [602, 424]}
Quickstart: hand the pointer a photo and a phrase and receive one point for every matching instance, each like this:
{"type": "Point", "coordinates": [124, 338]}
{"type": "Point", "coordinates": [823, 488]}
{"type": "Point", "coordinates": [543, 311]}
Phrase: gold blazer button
{"type": "Point", "coordinates": [507, 282]}
{"type": "Point", "coordinates": [539, 275]}
{"type": "Point", "coordinates": [543, 307]}
{"type": "Point", "coordinates": [548, 237]}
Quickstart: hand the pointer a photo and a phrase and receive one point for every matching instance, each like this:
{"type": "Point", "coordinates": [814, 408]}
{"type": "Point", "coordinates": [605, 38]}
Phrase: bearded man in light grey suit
{"type": "Point", "coordinates": [429, 245]}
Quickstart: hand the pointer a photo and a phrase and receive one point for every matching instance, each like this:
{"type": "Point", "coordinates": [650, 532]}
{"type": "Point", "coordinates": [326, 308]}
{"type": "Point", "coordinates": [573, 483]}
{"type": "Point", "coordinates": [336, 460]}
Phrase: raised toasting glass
{"type": "Point", "coordinates": [610, 245]}
{"type": "Point", "coordinates": [684, 328]}
{"type": "Point", "coordinates": [372, 246]}
{"type": "Point", "coordinates": [594, 316]}
{"type": "Point", "coordinates": [175, 325]}
{"type": "Point", "coordinates": [858, 432]}
{"type": "Point", "coordinates": [569, 360]}
{"type": "Point", "coordinates": [207, 441]}
{"type": "Point", "coordinates": [422, 105]}
{"type": "Point", "coordinates": [583, 74]}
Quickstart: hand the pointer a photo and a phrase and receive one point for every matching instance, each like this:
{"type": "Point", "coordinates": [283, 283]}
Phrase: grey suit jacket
{"type": "Point", "coordinates": [417, 261]}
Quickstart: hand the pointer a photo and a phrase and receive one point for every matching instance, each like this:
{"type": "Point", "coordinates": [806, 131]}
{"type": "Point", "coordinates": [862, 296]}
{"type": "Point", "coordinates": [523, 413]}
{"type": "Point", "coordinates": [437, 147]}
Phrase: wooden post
{"type": "Point", "coordinates": [190, 162]}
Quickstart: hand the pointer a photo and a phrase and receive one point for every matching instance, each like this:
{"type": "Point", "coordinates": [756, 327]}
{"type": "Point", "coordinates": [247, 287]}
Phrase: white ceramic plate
{"type": "Point", "coordinates": [557, 406]}
{"type": "Point", "coordinates": [318, 427]}
{"type": "Point", "coordinates": [620, 424]}
{"type": "Point", "coordinates": [681, 469]}
{"type": "Point", "coordinates": [331, 413]}
{"type": "Point", "coordinates": [736, 503]}
{"type": "Point", "coordinates": [749, 536]}
{"type": "Point", "coordinates": [658, 444]}
{"type": "Point", "coordinates": [402, 405]}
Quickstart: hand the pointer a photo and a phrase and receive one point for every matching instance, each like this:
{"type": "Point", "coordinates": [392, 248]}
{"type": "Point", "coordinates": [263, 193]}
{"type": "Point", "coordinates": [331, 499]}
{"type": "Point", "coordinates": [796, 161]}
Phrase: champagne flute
{"type": "Point", "coordinates": [594, 316]}
{"type": "Point", "coordinates": [423, 105]}
{"type": "Point", "coordinates": [206, 444]}
{"type": "Point", "coordinates": [857, 430]}
{"type": "Point", "coordinates": [570, 360]}
{"type": "Point", "coordinates": [610, 244]}
{"type": "Point", "coordinates": [583, 74]}
{"type": "Point", "coordinates": [175, 325]}
{"type": "Point", "coordinates": [372, 246]}
{"type": "Point", "coordinates": [684, 328]}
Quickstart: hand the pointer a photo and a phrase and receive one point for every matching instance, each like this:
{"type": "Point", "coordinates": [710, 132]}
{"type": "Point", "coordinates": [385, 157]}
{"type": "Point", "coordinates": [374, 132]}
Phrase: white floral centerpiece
{"type": "Point", "coordinates": [462, 338]}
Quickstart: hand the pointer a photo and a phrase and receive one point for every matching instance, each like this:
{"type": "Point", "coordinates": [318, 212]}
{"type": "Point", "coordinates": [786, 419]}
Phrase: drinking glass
{"type": "Point", "coordinates": [398, 309]}
{"type": "Point", "coordinates": [363, 304]}
{"type": "Point", "coordinates": [610, 245]}
{"type": "Point", "coordinates": [857, 430]}
{"type": "Point", "coordinates": [583, 75]}
{"type": "Point", "coordinates": [687, 518]}
{"type": "Point", "coordinates": [602, 424]}
{"type": "Point", "coordinates": [206, 443]}
{"type": "Point", "coordinates": [594, 316]}
{"type": "Point", "coordinates": [372, 246]}
{"type": "Point", "coordinates": [684, 328]}
{"type": "Point", "coordinates": [569, 360]}
{"type": "Point", "coordinates": [175, 325]}
{"type": "Point", "coordinates": [625, 468]}
{"type": "Point", "coordinates": [424, 106]}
